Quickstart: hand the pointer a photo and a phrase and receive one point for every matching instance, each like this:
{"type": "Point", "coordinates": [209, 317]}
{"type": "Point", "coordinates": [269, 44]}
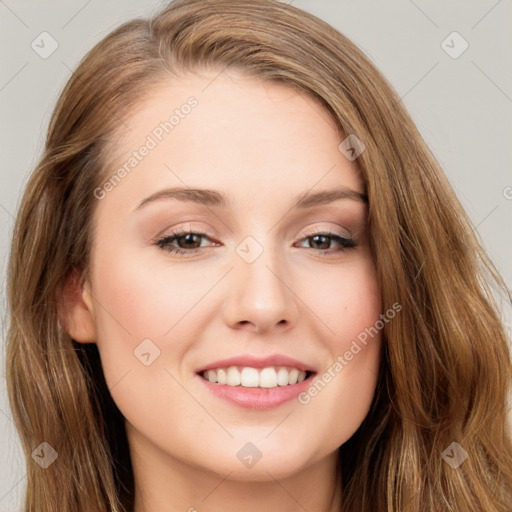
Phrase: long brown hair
{"type": "Point", "coordinates": [446, 364]}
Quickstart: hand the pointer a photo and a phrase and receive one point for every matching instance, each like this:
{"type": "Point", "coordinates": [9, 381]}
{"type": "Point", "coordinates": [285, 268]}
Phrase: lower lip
{"type": "Point", "coordinates": [257, 398]}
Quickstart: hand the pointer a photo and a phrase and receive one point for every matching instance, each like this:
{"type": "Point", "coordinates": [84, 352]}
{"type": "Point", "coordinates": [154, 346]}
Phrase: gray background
{"type": "Point", "coordinates": [461, 106]}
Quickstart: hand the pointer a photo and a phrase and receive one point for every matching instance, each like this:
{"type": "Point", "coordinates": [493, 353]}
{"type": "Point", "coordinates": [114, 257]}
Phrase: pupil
{"type": "Point", "coordinates": [325, 244]}
{"type": "Point", "coordinates": [189, 238]}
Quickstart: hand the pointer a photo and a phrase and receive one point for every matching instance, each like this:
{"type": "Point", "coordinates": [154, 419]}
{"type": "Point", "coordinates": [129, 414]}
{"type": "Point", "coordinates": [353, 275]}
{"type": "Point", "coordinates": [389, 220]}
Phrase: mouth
{"type": "Point", "coordinates": [250, 377]}
{"type": "Point", "coordinates": [256, 383]}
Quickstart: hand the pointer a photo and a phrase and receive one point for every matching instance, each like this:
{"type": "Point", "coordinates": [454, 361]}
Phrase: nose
{"type": "Point", "coordinates": [260, 296]}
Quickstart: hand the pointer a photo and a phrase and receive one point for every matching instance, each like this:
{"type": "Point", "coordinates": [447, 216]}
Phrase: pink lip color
{"type": "Point", "coordinates": [257, 362]}
{"type": "Point", "coordinates": [257, 398]}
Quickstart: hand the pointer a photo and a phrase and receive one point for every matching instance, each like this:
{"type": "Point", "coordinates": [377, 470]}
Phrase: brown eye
{"type": "Point", "coordinates": [322, 242]}
{"type": "Point", "coordinates": [189, 239]}
{"type": "Point", "coordinates": [181, 242]}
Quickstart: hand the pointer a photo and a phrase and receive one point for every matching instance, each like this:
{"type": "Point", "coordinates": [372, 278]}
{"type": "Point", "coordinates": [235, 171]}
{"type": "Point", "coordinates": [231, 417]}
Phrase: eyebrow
{"type": "Point", "coordinates": [209, 197]}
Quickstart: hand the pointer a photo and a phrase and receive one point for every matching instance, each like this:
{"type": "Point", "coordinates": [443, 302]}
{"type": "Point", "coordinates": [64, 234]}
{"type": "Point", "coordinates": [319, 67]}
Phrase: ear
{"type": "Point", "coordinates": [76, 311]}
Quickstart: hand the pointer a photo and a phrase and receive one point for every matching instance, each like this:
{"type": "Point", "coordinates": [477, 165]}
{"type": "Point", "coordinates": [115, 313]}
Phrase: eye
{"type": "Point", "coordinates": [322, 241]}
{"type": "Point", "coordinates": [186, 242]}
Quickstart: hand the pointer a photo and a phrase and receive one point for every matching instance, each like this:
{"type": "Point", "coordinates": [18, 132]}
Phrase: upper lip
{"type": "Point", "coordinates": [257, 362]}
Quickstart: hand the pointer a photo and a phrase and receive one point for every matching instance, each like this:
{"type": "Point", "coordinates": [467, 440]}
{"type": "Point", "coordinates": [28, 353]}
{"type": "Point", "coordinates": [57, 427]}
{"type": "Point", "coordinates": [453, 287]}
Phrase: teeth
{"type": "Point", "coordinates": [222, 376]}
{"type": "Point", "coordinates": [249, 377]}
{"type": "Point", "coordinates": [268, 378]}
{"type": "Point", "coordinates": [282, 377]}
{"type": "Point", "coordinates": [233, 378]}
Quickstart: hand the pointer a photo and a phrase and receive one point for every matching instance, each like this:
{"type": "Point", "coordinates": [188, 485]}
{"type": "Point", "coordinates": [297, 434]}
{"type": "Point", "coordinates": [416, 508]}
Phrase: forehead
{"type": "Point", "coordinates": [228, 131]}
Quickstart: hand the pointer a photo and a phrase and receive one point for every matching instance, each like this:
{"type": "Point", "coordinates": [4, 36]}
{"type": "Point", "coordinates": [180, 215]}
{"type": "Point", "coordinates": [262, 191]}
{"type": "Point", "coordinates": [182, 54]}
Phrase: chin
{"type": "Point", "coordinates": [260, 462]}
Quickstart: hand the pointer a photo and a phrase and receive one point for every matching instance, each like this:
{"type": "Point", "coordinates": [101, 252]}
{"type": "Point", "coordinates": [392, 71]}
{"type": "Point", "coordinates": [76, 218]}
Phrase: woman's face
{"type": "Point", "coordinates": [273, 287]}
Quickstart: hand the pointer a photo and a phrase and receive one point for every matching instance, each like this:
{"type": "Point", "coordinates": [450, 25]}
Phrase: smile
{"type": "Point", "coordinates": [255, 382]}
{"type": "Point", "coordinates": [248, 377]}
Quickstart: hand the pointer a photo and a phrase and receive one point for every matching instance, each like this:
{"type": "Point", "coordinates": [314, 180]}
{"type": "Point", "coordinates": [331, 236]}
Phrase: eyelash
{"type": "Point", "coordinates": [163, 243]}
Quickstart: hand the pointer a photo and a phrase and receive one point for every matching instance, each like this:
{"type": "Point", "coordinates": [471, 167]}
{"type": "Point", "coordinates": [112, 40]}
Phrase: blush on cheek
{"type": "Point", "coordinates": [348, 305]}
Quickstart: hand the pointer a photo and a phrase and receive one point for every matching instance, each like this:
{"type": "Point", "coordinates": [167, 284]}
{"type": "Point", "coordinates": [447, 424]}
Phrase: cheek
{"type": "Point", "coordinates": [339, 398]}
{"type": "Point", "coordinates": [145, 301]}
{"type": "Point", "coordinates": [150, 318]}
{"type": "Point", "coordinates": [146, 324]}
{"type": "Point", "coordinates": [344, 299]}
{"type": "Point", "coordinates": [138, 316]}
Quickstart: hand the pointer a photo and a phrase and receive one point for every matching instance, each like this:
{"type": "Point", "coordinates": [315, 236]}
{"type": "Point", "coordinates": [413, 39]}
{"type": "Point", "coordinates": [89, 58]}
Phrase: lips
{"type": "Point", "coordinates": [276, 360]}
{"type": "Point", "coordinates": [256, 382]}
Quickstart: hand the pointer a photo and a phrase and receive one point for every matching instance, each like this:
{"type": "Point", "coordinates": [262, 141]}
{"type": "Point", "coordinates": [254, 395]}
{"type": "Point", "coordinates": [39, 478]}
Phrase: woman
{"type": "Point", "coordinates": [327, 343]}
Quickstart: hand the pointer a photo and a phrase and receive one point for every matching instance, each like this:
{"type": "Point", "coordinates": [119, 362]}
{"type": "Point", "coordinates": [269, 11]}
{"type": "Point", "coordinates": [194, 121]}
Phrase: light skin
{"type": "Point", "coordinates": [261, 145]}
